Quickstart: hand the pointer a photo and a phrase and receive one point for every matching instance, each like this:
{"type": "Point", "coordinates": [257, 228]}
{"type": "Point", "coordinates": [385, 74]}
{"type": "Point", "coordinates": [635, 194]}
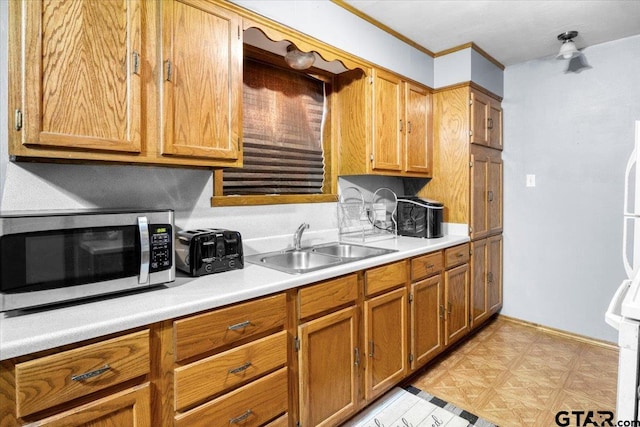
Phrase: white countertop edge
{"type": "Point", "coordinates": [41, 330]}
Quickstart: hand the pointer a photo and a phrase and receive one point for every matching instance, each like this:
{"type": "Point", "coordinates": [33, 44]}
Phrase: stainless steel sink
{"type": "Point", "coordinates": [347, 250]}
{"type": "Point", "coordinates": [296, 261]}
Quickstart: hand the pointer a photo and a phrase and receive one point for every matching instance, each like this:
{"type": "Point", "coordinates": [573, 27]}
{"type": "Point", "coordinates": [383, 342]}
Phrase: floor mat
{"type": "Point", "coordinates": [412, 407]}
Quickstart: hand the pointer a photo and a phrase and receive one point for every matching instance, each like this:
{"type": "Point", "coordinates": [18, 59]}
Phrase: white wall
{"type": "Point", "coordinates": [562, 254]}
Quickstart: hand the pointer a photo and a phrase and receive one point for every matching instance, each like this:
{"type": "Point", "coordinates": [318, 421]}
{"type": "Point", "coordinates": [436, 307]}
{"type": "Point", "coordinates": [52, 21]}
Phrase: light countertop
{"type": "Point", "coordinates": [26, 332]}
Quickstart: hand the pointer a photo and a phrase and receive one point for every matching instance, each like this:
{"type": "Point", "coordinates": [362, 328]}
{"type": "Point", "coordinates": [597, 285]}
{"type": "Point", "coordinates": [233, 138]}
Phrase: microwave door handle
{"type": "Point", "coordinates": [143, 228]}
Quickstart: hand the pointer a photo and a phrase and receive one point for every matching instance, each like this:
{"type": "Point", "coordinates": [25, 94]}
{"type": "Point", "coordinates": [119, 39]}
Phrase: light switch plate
{"type": "Point", "coordinates": [531, 180]}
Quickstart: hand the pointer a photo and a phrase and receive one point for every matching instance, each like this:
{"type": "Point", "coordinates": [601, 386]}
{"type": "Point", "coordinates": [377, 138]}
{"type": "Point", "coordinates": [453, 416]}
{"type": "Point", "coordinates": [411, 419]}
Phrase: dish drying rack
{"type": "Point", "coordinates": [361, 221]}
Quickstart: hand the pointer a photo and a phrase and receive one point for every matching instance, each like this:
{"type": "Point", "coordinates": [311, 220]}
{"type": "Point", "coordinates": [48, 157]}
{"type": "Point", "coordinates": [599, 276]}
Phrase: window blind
{"type": "Point", "coordinates": [283, 115]}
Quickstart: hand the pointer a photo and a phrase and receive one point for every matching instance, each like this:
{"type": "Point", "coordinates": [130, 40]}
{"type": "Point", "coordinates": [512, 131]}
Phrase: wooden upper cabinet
{"type": "Point", "coordinates": [388, 124]}
{"type": "Point", "coordinates": [202, 81]}
{"type": "Point", "coordinates": [418, 142]}
{"type": "Point", "coordinates": [486, 120]}
{"type": "Point", "coordinates": [82, 81]}
{"type": "Point", "coordinates": [385, 124]}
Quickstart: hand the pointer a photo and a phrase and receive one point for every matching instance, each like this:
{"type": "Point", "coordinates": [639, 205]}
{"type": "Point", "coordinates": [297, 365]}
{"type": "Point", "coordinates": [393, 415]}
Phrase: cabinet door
{"type": "Point", "coordinates": [202, 80]}
{"type": "Point", "coordinates": [456, 285]}
{"type": "Point", "coordinates": [328, 382]}
{"type": "Point", "coordinates": [479, 195]}
{"type": "Point", "coordinates": [385, 326]}
{"type": "Point", "coordinates": [495, 125]}
{"type": "Point", "coordinates": [426, 320]}
{"type": "Point", "coordinates": [494, 274]}
{"type": "Point", "coordinates": [388, 121]}
{"type": "Point", "coordinates": [494, 195]}
{"type": "Point", "coordinates": [480, 107]}
{"type": "Point", "coordinates": [479, 256]}
{"type": "Point", "coordinates": [417, 135]}
{"type": "Point", "coordinates": [128, 408]}
{"type": "Point", "coordinates": [81, 87]}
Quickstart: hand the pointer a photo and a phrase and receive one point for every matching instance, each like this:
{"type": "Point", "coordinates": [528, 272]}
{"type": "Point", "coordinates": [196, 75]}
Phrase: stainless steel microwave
{"type": "Point", "coordinates": [58, 256]}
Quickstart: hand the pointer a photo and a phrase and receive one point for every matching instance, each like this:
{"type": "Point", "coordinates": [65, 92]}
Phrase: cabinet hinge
{"type": "Point", "coordinates": [411, 358]}
{"type": "Point", "coordinates": [298, 424]}
{"type": "Point", "coordinates": [18, 120]}
{"type": "Point", "coordinates": [296, 344]}
{"type": "Point", "coordinates": [238, 32]}
{"type": "Point", "coordinates": [470, 101]}
{"type": "Point", "coordinates": [370, 80]}
{"type": "Point", "coordinates": [470, 133]}
{"type": "Point", "coordinates": [470, 164]}
{"type": "Point", "coordinates": [410, 297]}
{"type": "Point", "coordinates": [371, 157]}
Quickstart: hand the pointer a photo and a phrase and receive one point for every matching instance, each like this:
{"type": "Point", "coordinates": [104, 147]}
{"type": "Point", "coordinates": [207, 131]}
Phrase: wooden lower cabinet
{"type": "Point", "coordinates": [486, 279]}
{"type": "Point", "coordinates": [385, 330]}
{"type": "Point", "coordinates": [427, 315]}
{"type": "Point", "coordinates": [328, 360]}
{"type": "Point", "coordinates": [456, 296]}
{"type": "Point", "coordinates": [131, 408]}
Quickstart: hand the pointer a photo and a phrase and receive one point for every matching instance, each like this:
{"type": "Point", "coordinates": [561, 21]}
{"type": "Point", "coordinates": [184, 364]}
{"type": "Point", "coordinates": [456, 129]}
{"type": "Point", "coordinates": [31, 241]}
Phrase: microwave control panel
{"type": "Point", "coordinates": [161, 242]}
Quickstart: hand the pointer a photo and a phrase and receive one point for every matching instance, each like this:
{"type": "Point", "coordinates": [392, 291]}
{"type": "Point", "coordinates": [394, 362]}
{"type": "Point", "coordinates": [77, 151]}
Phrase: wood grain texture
{"type": "Point", "coordinates": [328, 369]}
{"type": "Point", "coordinates": [204, 378]}
{"type": "Point", "coordinates": [418, 133]}
{"type": "Point", "coordinates": [494, 267]}
{"type": "Point", "coordinates": [456, 285]}
{"type": "Point", "coordinates": [83, 91]}
{"type": "Point", "coordinates": [426, 320]}
{"type": "Point", "coordinates": [478, 292]}
{"type": "Point", "coordinates": [208, 331]}
{"type": "Point", "coordinates": [162, 377]}
{"type": "Point", "coordinates": [202, 116]}
{"type": "Point", "coordinates": [450, 182]}
{"type": "Point", "coordinates": [388, 121]}
{"type": "Point", "coordinates": [331, 294]}
{"type": "Point", "coordinates": [456, 255]}
{"type": "Point", "coordinates": [426, 265]}
{"type": "Point", "coordinates": [127, 408]}
{"type": "Point", "coordinates": [354, 122]}
{"type": "Point", "coordinates": [47, 381]}
{"type": "Point", "coordinates": [386, 277]}
{"type": "Point", "coordinates": [385, 341]}
{"type": "Point", "coordinates": [259, 402]}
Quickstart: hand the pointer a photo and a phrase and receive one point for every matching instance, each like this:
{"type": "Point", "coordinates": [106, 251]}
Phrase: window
{"type": "Point", "coordinates": [286, 136]}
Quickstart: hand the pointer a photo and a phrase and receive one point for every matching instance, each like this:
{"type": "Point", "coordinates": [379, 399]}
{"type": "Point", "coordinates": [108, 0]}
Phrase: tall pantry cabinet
{"type": "Point", "coordinates": [467, 178]}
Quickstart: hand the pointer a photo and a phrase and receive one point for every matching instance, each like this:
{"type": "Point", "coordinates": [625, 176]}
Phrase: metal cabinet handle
{"type": "Point", "coordinates": [409, 127]}
{"type": "Point", "coordinates": [449, 309]}
{"type": "Point", "coordinates": [356, 352]}
{"type": "Point", "coordinates": [90, 374]}
{"type": "Point", "coordinates": [459, 255]}
{"type": "Point", "coordinates": [490, 277]}
{"type": "Point", "coordinates": [371, 349]}
{"type": "Point", "coordinates": [168, 70]}
{"type": "Point", "coordinates": [429, 266]}
{"type": "Point", "coordinates": [442, 311]}
{"type": "Point", "coordinates": [240, 368]}
{"type": "Point", "coordinates": [489, 123]}
{"type": "Point", "coordinates": [240, 325]}
{"type": "Point", "coordinates": [241, 418]}
{"type": "Point", "coordinates": [400, 125]}
{"type": "Point", "coordinates": [136, 62]}
{"type": "Point", "coordinates": [490, 195]}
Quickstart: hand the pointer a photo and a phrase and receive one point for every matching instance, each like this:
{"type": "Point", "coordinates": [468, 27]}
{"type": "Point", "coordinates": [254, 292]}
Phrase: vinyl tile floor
{"type": "Point", "coordinates": [515, 374]}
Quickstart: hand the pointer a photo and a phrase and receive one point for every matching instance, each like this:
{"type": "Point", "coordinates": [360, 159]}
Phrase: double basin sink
{"type": "Point", "coordinates": [296, 261]}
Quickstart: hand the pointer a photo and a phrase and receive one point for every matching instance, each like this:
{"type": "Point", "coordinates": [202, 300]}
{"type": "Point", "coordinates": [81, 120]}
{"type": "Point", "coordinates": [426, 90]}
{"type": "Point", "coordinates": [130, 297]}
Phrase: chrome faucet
{"type": "Point", "coordinates": [297, 236]}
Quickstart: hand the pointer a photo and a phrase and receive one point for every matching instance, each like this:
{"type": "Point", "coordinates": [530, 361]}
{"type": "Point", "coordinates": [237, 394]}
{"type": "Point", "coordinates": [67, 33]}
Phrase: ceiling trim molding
{"type": "Point", "coordinates": [383, 27]}
{"type": "Point", "coordinates": [475, 47]}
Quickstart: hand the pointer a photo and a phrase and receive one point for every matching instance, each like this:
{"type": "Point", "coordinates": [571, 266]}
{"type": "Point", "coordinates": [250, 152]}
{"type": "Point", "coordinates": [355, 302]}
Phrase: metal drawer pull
{"type": "Point", "coordinates": [240, 325]}
{"type": "Point", "coordinates": [430, 266]}
{"type": "Point", "coordinates": [240, 368]}
{"type": "Point", "coordinates": [459, 255]}
{"type": "Point", "coordinates": [241, 418]}
{"type": "Point", "coordinates": [90, 374]}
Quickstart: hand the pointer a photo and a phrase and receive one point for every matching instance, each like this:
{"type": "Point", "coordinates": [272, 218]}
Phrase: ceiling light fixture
{"type": "Point", "coordinates": [297, 59]}
{"type": "Point", "coordinates": [568, 50]}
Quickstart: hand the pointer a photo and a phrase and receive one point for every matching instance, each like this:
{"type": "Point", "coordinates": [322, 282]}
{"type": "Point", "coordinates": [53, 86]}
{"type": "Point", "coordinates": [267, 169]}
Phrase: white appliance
{"type": "Point", "coordinates": [624, 309]}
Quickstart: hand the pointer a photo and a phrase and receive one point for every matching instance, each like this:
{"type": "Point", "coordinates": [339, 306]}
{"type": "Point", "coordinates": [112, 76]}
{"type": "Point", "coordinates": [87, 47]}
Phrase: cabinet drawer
{"type": "Point", "coordinates": [208, 331]}
{"type": "Point", "coordinates": [251, 405]}
{"type": "Point", "coordinates": [51, 380]}
{"type": "Point", "coordinates": [456, 255]}
{"type": "Point", "coordinates": [200, 380]}
{"type": "Point", "coordinates": [327, 295]}
{"type": "Point", "coordinates": [426, 265]}
{"type": "Point", "coordinates": [386, 277]}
